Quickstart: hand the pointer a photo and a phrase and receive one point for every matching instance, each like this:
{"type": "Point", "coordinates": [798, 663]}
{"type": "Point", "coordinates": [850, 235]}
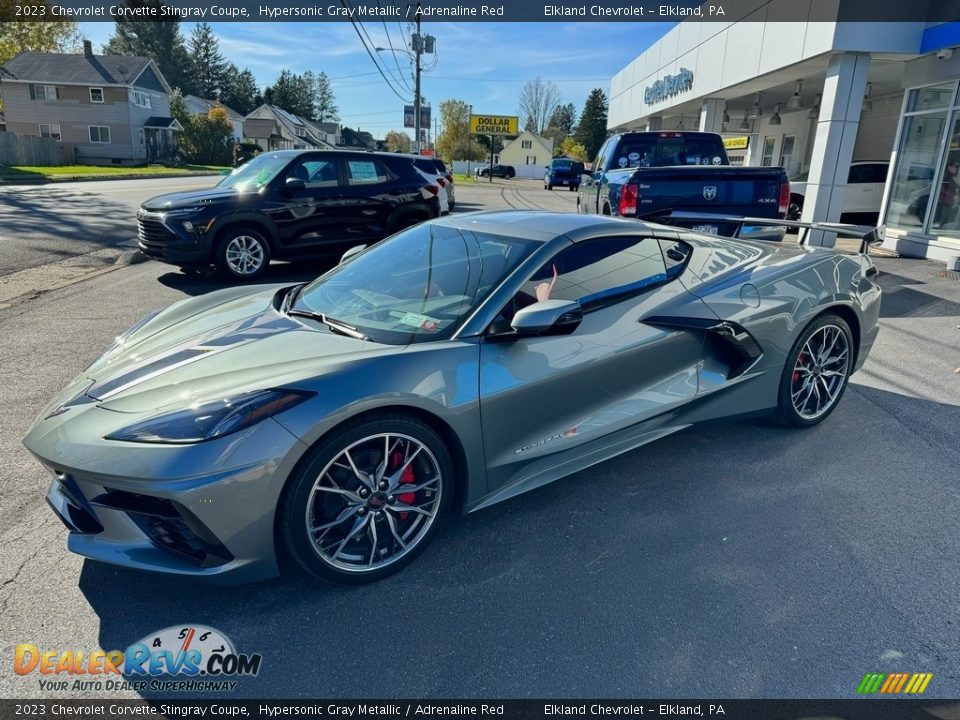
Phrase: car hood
{"type": "Point", "coordinates": [190, 199]}
{"type": "Point", "coordinates": [221, 344]}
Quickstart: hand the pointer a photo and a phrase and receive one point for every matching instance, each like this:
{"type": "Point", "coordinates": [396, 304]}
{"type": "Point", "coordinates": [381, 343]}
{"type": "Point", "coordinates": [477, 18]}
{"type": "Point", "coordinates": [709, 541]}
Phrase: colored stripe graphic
{"type": "Point", "coordinates": [894, 683]}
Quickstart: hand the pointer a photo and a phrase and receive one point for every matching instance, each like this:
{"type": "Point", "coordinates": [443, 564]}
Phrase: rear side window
{"type": "Point", "coordinates": [596, 271]}
{"type": "Point", "coordinates": [667, 149]}
{"type": "Point", "coordinates": [441, 168]}
{"type": "Point", "coordinates": [870, 173]}
{"type": "Point", "coordinates": [366, 172]}
{"type": "Point", "coordinates": [426, 166]}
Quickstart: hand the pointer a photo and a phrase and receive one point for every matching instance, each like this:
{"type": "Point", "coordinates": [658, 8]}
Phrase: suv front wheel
{"type": "Point", "coordinates": [242, 254]}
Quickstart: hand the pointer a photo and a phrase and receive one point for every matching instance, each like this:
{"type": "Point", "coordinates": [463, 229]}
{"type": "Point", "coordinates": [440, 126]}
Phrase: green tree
{"type": "Point", "coordinates": [159, 40]}
{"type": "Point", "coordinates": [324, 102]}
{"type": "Point", "coordinates": [240, 90]}
{"type": "Point", "coordinates": [209, 67]}
{"type": "Point", "coordinates": [455, 142]}
{"type": "Point", "coordinates": [291, 93]}
{"type": "Point", "coordinates": [207, 139]}
{"type": "Point", "coordinates": [561, 124]}
{"type": "Point", "coordinates": [592, 130]}
{"type": "Point", "coordinates": [571, 148]}
{"type": "Point", "coordinates": [398, 141]}
{"type": "Point", "coordinates": [47, 36]}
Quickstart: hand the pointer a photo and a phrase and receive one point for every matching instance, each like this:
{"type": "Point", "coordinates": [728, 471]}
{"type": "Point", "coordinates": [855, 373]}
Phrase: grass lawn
{"type": "Point", "coordinates": [463, 178]}
{"type": "Point", "coordinates": [25, 173]}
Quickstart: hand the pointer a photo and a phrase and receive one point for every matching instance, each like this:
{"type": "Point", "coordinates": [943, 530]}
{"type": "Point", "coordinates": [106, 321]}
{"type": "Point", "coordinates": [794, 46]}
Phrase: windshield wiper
{"type": "Point", "coordinates": [335, 325]}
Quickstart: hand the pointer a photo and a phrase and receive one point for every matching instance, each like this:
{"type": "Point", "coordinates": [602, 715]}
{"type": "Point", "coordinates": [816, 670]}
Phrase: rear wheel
{"type": "Point", "coordinates": [367, 500]}
{"type": "Point", "coordinates": [243, 254]}
{"type": "Point", "coordinates": [548, 187]}
{"type": "Point", "coordinates": [816, 372]}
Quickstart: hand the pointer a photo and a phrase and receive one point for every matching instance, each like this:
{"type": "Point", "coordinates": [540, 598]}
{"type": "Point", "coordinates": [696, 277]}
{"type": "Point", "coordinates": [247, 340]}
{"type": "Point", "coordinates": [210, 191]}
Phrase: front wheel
{"type": "Point", "coordinates": [243, 254]}
{"type": "Point", "coordinates": [548, 187]}
{"type": "Point", "coordinates": [367, 500]}
{"type": "Point", "coordinates": [816, 372]}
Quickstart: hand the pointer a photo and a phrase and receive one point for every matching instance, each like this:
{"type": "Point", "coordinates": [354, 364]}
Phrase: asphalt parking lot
{"type": "Point", "coordinates": [738, 560]}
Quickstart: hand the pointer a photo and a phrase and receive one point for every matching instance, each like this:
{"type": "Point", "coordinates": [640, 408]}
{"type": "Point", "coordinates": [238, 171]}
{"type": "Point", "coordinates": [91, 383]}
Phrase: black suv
{"type": "Point", "coordinates": [287, 204]}
{"type": "Point", "coordinates": [503, 171]}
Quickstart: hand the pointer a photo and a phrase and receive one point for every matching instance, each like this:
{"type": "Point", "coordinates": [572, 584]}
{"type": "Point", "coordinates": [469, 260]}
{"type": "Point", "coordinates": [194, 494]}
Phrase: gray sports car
{"type": "Point", "coordinates": [449, 367]}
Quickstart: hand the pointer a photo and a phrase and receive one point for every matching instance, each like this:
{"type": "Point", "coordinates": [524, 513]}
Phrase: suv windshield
{"type": "Point", "coordinates": [418, 286]}
{"type": "Point", "coordinates": [256, 173]}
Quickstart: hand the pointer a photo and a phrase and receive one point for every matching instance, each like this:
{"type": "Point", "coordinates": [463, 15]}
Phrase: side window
{"type": "Point", "coordinates": [594, 271]}
{"type": "Point", "coordinates": [315, 172]}
{"type": "Point", "coordinates": [601, 160]}
{"type": "Point", "coordinates": [675, 256]}
{"type": "Point", "coordinates": [366, 172]}
{"type": "Point", "coordinates": [858, 174]}
{"type": "Point", "coordinates": [877, 173]}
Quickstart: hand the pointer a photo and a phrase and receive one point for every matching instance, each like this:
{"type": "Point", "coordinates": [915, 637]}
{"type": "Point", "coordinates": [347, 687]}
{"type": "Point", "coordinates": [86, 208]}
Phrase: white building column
{"type": "Point", "coordinates": [837, 127]}
{"type": "Point", "coordinates": [711, 115]}
{"type": "Point", "coordinates": [654, 123]}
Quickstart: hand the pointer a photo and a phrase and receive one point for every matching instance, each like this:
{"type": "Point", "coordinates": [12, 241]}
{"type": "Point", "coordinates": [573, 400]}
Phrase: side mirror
{"type": "Point", "coordinates": [293, 185]}
{"type": "Point", "coordinates": [352, 253]}
{"type": "Point", "coordinates": [548, 317]}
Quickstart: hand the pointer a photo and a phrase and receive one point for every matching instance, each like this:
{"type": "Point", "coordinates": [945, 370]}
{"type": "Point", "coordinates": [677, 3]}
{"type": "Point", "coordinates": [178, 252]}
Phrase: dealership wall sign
{"type": "Point", "coordinates": [494, 124]}
{"type": "Point", "coordinates": [669, 86]}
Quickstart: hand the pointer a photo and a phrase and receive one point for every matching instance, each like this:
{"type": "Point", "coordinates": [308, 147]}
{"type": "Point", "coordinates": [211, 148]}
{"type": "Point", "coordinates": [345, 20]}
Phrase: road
{"type": "Point", "coordinates": [739, 560]}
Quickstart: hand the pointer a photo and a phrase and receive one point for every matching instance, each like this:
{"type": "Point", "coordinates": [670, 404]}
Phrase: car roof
{"type": "Point", "coordinates": [543, 226]}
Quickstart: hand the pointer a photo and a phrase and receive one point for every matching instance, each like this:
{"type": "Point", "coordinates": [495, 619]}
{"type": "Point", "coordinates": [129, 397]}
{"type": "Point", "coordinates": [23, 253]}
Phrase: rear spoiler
{"type": "Point", "coordinates": [864, 233]}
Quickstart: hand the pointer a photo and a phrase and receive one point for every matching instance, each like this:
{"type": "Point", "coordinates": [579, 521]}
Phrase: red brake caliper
{"type": "Point", "coordinates": [406, 478]}
{"type": "Point", "coordinates": [796, 373]}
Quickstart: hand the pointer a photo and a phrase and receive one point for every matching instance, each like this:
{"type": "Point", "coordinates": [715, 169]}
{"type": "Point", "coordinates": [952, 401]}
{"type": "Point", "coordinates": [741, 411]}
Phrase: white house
{"type": "Point", "coordinates": [528, 153]}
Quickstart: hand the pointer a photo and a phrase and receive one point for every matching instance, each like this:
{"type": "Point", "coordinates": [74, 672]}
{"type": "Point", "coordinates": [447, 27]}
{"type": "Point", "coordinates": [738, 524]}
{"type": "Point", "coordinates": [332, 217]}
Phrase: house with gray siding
{"type": "Point", "coordinates": [201, 106]}
{"type": "Point", "coordinates": [113, 109]}
{"type": "Point", "coordinates": [273, 128]}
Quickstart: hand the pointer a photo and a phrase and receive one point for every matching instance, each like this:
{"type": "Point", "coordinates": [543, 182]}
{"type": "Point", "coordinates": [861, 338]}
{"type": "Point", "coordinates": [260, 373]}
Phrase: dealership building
{"type": "Point", "coordinates": [846, 108]}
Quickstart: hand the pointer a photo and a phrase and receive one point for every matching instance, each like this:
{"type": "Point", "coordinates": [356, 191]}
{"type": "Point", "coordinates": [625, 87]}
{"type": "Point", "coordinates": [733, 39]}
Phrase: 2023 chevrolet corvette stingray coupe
{"type": "Point", "coordinates": [449, 367]}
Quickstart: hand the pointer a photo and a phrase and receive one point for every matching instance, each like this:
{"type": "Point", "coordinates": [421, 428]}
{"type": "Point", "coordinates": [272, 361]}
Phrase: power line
{"type": "Point", "coordinates": [353, 22]}
{"type": "Point", "coordinates": [393, 51]}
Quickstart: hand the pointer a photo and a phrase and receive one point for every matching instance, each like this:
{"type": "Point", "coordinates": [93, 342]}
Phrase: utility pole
{"type": "Point", "coordinates": [417, 50]}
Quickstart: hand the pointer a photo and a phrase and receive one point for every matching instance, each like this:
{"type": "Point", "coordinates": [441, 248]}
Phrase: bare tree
{"type": "Point", "coordinates": [538, 99]}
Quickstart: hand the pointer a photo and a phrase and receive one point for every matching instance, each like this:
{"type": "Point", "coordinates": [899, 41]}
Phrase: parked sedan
{"type": "Point", "coordinates": [501, 171]}
{"type": "Point", "coordinates": [286, 205]}
{"type": "Point", "coordinates": [449, 368]}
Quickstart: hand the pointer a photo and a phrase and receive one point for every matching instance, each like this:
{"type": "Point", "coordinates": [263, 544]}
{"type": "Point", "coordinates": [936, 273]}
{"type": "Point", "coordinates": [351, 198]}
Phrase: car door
{"type": "Point", "coordinates": [550, 403]}
{"type": "Point", "coordinates": [310, 216]}
{"type": "Point", "coordinates": [369, 195]}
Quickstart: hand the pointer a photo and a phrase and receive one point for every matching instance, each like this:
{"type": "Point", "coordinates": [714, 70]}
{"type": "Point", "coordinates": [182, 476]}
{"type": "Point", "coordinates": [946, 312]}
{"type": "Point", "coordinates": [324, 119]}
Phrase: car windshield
{"type": "Point", "coordinates": [561, 164]}
{"type": "Point", "coordinates": [256, 173]}
{"type": "Point", "coordinates": [417, 286]}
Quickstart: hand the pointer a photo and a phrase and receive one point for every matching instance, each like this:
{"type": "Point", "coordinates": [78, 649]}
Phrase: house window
{"type": "Point", "coordinates": [531, 159]}
{"type": "Point", "coordinates": [99, 134]}
{"type": "Point", "coordinates": [526, 144]}
{"type": "Point", "coordinates": [46, 92]}
{"type": "Point", "coordinates": [766, 158]}
{"type": "Point", "coordinates": [141, 99]}
{"type": "Point", "coordinates": [50, 130]}
{"type": "Point", "coordinates": [96, 95]}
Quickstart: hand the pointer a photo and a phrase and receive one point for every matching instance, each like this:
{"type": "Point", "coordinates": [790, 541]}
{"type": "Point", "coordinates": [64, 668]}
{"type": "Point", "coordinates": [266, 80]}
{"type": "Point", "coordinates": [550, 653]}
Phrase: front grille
{"type": "Point", "coordinates": [169, 526]}
{"type": "Point", "coordinates": [152, 234]}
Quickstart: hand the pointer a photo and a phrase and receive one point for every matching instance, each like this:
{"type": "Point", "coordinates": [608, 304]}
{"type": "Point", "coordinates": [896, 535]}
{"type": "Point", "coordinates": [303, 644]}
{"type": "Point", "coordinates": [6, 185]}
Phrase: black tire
{"type": "Point", "coordinates": [230, 242]}
{"type": "Point", "coordinates": [549, 187]}
{"type": "Point", "coordinates": [795, 208]}
{"type": "Point", "coordinates": [297, 499]}
{"type": "Point", "coordinates": [573, 188]}
{"type": "Point", "coordinates": [793, 378]}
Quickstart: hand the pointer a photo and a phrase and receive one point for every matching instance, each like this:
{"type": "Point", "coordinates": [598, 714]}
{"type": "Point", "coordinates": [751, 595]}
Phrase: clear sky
{"type": "Point", "coordinates": [484, 64]}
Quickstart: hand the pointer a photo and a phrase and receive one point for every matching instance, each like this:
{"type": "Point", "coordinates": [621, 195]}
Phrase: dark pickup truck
{"type": "Point", "coordinates": [639, 174]}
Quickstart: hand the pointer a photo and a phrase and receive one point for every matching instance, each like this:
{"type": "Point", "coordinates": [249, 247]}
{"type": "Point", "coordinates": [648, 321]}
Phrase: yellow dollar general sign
{"type": "Point", "coordinates": [494, 124]}
{"type": "Point", "coordinates": [894, 683]}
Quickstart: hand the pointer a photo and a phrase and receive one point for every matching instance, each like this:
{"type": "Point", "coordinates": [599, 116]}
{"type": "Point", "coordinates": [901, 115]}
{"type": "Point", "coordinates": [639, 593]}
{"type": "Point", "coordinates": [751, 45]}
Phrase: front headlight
{"type": "Point", "coordinates": [211, 420]}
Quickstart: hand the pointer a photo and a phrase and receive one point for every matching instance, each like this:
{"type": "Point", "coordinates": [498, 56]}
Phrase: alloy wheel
{"type": "Point", "coordinates": [374, 502]}
{"type": "Point", "coordinates": [820, 372]}
{"type": "Point", "coordinates": [245, 255]}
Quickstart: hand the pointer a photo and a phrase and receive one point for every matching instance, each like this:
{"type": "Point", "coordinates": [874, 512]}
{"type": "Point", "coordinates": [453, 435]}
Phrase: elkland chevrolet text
{"type": "Point", "coordinates": [452, 366]}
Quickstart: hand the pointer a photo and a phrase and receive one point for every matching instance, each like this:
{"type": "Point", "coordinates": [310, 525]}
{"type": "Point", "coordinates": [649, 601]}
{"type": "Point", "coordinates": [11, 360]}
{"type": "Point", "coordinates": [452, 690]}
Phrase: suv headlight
{"type": "Point", "coordinates": [206, 421]}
